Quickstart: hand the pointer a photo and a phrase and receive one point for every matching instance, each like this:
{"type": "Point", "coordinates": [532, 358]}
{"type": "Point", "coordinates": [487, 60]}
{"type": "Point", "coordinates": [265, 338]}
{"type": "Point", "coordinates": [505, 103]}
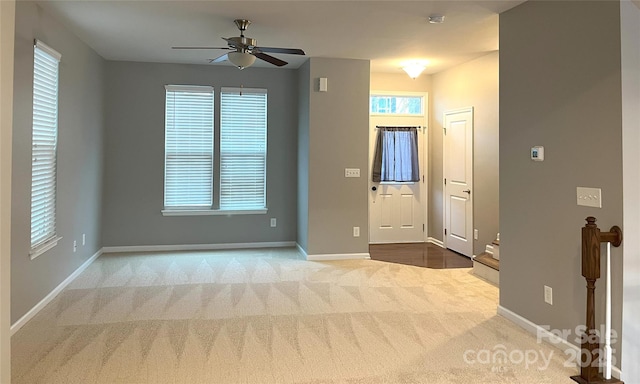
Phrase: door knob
{"type": "Point", "coordinates": [467, 191]}
{"type": "Point", "coordinates": [374, 188]}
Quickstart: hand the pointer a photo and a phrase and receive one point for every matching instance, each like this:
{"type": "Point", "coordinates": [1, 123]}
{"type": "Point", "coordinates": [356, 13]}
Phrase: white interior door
{"type": "Point", "coordinates": [397, 210]}
{"type": "Point", "coordinates": [458, 180]}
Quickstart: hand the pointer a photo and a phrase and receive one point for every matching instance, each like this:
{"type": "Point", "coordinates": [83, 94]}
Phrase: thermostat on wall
{"type": "Point", "coordinates": [537, 153]}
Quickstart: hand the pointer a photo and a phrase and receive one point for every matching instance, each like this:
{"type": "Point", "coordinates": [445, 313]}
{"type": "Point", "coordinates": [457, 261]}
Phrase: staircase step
{"type": "Point", "coordinates": [487, 273]}
{"type": "Point", "coordinates": [496, 243]}
{"type": "Point", "coordinates": [488, 260]}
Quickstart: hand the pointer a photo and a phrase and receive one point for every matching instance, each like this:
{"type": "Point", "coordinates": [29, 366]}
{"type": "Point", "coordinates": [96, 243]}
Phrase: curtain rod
{"type": "Point", "coordinates": [384, 126]}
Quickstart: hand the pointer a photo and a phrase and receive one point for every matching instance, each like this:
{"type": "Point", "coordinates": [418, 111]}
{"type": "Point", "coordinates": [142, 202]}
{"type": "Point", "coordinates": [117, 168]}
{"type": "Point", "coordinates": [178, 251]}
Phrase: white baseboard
{"type": "Point", "coordinates": [544, 334]}
{"type": "Point", "coordinates": [333, 256]}
{"type": "Point", "coordinates": [339, 256]}
{"type": "Point", "coordinates": [197, 247]}
{"type": "Point", "coordinates": [435, 241]}
{"type": "Point", "coordinates": [38, 307]}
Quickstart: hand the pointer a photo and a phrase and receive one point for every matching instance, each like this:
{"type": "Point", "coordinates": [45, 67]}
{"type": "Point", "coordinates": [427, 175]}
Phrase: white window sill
{"type": "Point", "coordinates": [44, 247]}
{"type": "Point", "coordinates": [212, 212]}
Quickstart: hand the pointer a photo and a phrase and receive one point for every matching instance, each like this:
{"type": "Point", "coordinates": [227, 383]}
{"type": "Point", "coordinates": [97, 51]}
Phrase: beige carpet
{"type": "Point", "coordinates": [264, 316]}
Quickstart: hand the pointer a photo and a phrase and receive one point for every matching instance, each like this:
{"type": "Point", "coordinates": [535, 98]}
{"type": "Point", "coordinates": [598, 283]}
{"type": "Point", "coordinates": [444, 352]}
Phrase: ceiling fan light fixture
{"type": "Point", "coordinates": [414, 69]}
{"type": "Point", "coordinates": [241, 60]}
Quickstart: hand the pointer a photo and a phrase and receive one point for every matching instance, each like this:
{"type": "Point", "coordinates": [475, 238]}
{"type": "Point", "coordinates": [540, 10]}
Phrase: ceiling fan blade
{"type": "Point", "coordinates": [290, 51]}
{"type": "Point", "coordinates": [270, 59]}
{"type": "Point", "coordinates": [220, 58]}
{"type": "Point", "coordinates": [200, 48]}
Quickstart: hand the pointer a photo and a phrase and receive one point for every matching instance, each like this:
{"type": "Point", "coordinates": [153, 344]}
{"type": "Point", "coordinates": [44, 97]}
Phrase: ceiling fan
{"type": "Point", "coordinates": [245, 51]}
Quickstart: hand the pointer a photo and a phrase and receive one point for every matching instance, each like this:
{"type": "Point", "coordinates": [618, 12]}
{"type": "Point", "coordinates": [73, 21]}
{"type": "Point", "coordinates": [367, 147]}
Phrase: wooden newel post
{"type": "Point", "coordinates": [591, 272]}
{"type": "Point", "coordinates": [591, 239]}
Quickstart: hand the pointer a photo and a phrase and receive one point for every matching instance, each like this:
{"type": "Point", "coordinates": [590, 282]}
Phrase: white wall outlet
{"type": "Point", "coordinates": [75, 246]}
{"type": "Point", "coordinates": [352, 172]}
{"type": "Point", "coordinates": [548, 295]}
{"type": "Point", "coordinates": [475, 234]}
{"type": "Point", "coordinates": [356, 231]}
{"type": "Point", "coordinates": [273, 222]}
{"type": "Point", "coordinates": [84, 239]}
{"type": "Point", "coordinates": [589, 197]}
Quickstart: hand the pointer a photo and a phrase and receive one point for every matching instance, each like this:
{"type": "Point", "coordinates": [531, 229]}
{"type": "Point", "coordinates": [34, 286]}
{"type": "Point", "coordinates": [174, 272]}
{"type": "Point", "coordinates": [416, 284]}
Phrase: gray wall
{"type": "Point", "coordinates": [338, 139]}
{"type": "Point", "coordinates": [630, 23]}
{"type": "Point", "coordinates": [134, 163]}
{"type": "Point", "coordinates": [7, 31]}
{"type": "Point", "coordinates": [560, 87]}
{"type": "Point", "coordinates": [472, 84]}
{"type": "Point", "coordinates": [80, 131]}
{"type": "Point", "coordinates": [304, 73]}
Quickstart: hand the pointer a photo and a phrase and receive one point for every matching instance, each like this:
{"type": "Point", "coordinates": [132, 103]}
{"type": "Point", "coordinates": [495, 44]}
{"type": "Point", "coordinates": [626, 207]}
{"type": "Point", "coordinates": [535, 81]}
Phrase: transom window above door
{"type": "Point", "coordinates": [397, 105]}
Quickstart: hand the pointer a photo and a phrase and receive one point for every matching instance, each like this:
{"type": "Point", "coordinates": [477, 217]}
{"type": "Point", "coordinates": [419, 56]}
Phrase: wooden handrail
{"type": "Point", "coordinates": [591, 239]}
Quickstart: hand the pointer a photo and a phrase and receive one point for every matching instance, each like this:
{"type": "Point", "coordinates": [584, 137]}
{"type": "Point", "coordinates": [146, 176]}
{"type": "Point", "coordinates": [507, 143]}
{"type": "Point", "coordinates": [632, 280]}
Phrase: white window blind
{"type": "Point", "coordinates": [43, 147]}
{"type": "Point", "coordinates": [243, 148]}
{"type": "Point", "coordinates": [188, 178]}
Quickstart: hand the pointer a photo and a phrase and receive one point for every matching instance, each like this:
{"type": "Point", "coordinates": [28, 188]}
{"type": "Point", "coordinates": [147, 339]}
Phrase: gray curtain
{"type": "Point", "coordinates": [396, 155]}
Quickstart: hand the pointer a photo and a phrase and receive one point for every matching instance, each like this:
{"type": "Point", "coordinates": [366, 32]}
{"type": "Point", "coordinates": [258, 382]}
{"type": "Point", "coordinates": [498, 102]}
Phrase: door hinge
{"type": "Point", "coordinates": [445, 232]}
{"type": "Point", "coordinates": [445, 181]}
{"type": "Point", "coordinates": [445, 130]}
{"type": "Point", "coordinates": [422, 227]}
{"type": "Point", "coordinates": [422, 178]}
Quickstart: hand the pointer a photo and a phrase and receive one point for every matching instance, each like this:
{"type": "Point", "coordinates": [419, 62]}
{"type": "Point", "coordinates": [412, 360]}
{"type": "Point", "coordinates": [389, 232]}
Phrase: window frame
{"type": "Point", "coordinates": [170, 127]}
{"type": "Point", "coordinates": [45, 131]}
{"type": "Point", "coordinates": [397, 95]}
{"type": "Point", "coordinates": [255, 128]}
{"type": "Point", "coordinates": [424, 114]}
{"type": "Point", "coordinates": [215, 208]}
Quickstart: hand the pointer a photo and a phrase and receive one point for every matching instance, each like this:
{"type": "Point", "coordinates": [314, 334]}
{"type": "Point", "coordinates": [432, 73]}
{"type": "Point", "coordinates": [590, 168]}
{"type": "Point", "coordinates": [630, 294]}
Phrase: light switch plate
{"type": "Point", "coordinates": [352, 172]}
{"type": "Point", "coordinates": [548, 295]}
{"type": "Point", "coordinates": [589, 197]}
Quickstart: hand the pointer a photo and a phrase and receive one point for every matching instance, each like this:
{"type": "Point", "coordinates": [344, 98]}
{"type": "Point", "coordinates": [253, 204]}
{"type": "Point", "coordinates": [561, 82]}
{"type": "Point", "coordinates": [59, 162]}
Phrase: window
{"type": "Point", "coordinates": [194, 173]}
{"type": "Point", "coordinates": [243, 148]}
{"type": "Point", "coordinates": [395, 156]}
{"type": "Point", "coordinates": [188, 161]}
{"type": "Point", "coordinates": [43, 149]}
{"type": "Point", "coordinates": [397, 105]}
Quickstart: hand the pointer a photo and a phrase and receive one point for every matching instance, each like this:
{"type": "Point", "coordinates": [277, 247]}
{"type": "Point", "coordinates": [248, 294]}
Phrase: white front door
{"type": "Point", "coordinates": [397, 210]}
{"type": "Point", "coordinates": [458, 180]}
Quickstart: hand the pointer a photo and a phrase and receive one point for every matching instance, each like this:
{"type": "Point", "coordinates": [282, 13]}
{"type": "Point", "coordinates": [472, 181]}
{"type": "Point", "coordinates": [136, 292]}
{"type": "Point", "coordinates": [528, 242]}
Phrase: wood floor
{"type": "Point", "coordinates": [419, 254]}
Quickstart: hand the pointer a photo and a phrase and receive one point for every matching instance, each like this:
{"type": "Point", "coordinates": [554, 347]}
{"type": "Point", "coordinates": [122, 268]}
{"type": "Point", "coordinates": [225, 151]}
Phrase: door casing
{"type": "Point", "coordinates": [424, 190]}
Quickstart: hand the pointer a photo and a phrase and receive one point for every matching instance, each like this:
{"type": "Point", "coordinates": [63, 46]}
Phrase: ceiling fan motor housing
{"type": "Point", "coordinates": [242, 42]}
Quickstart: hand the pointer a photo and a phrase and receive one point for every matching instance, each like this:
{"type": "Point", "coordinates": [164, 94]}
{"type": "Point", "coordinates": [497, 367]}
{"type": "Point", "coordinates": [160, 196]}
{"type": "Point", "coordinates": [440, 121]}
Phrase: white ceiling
{"type": "Point", "coordinates": [388, 33]}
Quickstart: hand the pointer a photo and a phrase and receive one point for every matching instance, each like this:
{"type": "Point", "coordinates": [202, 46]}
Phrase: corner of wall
{"type": "Point", "coordinates": [7, 28]}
